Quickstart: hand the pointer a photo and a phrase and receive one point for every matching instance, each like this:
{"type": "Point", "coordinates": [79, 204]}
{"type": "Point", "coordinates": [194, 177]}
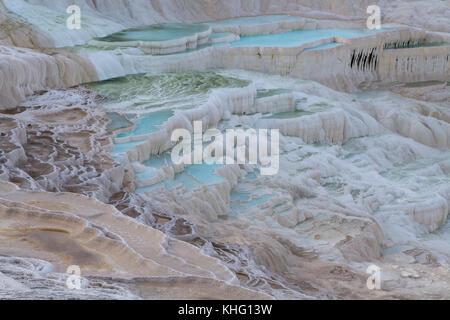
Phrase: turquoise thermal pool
{"type": "Point", "coordinates": [242, 202]}
{"type": "Point", "coordinates": [193, 176]}
{"type": "Point", "coordinates": [299, 37]}
{"type": "Point", "coordinates": [148, 123]}
{"type": "Point", "coordinates": [148, 101]}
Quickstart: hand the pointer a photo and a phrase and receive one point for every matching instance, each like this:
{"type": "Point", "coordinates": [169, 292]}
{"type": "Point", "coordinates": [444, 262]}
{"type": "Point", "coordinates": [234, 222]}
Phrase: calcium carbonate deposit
{"type": "Point", "coordinates": [93, 204]}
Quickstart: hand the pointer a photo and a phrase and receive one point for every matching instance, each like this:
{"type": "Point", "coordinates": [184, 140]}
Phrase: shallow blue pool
{"type": "Point", "coordinates": [149, 123]}
{"type": "Point", "coordinates": [242, 202]}
{"type": "Point", "coordinates": [299, 37]}
{"type": "Point", "coordinates": [205, 173]}
{"type": "Point", "coordinates": [193, 176]}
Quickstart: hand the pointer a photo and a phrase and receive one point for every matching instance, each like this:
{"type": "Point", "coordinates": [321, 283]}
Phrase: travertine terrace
{"type": "Point", "coordinates": [86, 177]}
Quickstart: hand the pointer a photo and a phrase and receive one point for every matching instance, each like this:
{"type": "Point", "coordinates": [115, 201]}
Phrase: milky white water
{"type": "Point", "coordinates": [162, 32]}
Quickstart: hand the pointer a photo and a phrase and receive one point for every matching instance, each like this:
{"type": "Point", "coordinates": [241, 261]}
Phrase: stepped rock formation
{"type": "Point", "coordinates": [25, 71]}
{"type": "Point", "coordinates": [86, 177]}
{"type": "Point", "coordinates": [118, 15]}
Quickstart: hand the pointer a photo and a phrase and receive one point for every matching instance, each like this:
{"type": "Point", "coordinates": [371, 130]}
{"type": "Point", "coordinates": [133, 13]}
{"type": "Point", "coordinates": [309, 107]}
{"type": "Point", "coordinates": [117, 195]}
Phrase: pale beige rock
{"type": "Point", "coordinates": [70, 229]}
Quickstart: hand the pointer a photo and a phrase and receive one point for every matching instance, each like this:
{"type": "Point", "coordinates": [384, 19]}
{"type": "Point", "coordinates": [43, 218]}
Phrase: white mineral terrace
{"type": "Point", "coordinates": [87, 177]}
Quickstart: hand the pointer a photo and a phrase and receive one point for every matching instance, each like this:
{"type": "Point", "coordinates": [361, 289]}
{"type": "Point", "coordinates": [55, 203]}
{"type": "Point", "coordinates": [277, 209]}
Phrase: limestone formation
{"type": "Point", "coordinates": [87, 177]}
